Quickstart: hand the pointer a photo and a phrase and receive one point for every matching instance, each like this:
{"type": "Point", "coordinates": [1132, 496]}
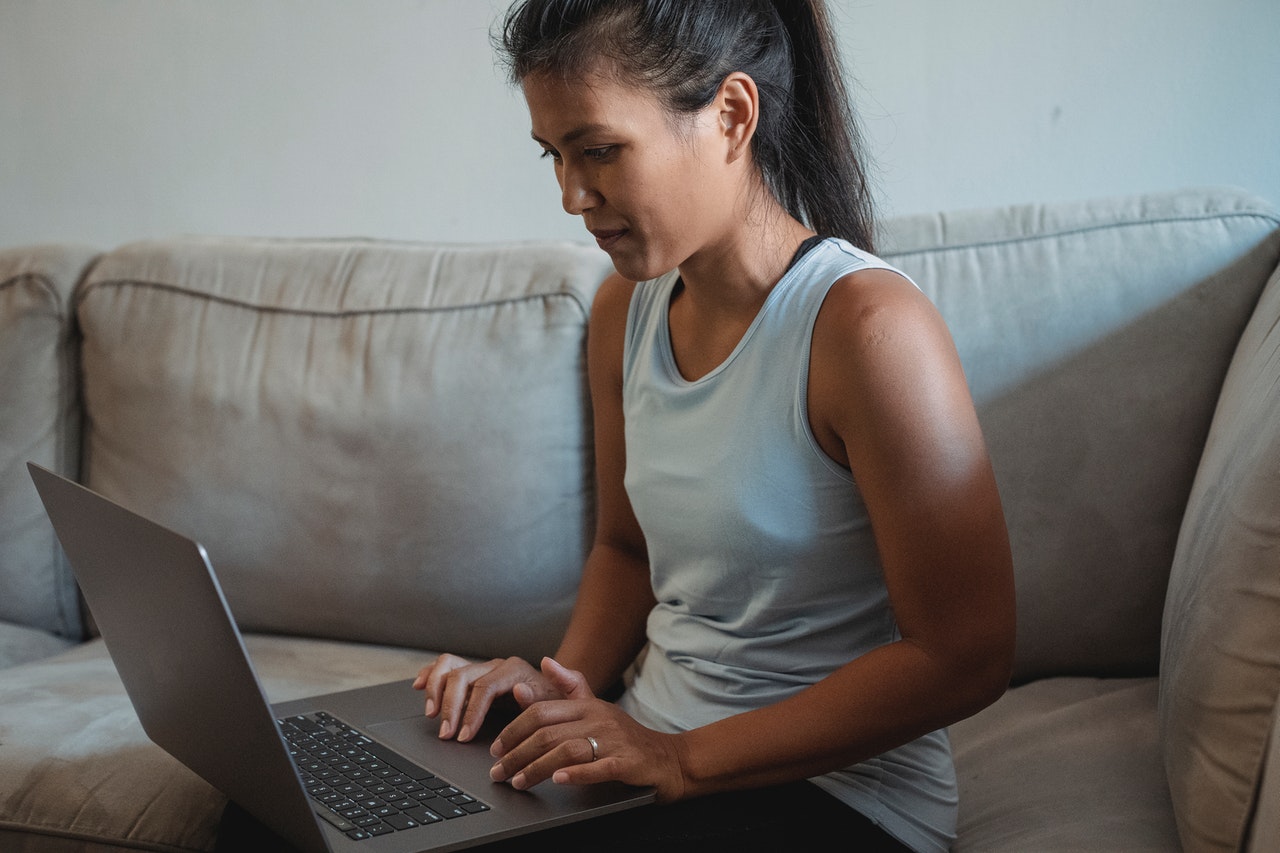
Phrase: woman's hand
{"type": "Point", "coordinates": [582, 740]}
{"type": "Point", "coordinates": [461, 693]}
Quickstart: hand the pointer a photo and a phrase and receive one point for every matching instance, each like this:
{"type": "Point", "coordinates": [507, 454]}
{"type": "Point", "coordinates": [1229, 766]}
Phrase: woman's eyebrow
{"type": "Point", "coordinates": [573, 135]}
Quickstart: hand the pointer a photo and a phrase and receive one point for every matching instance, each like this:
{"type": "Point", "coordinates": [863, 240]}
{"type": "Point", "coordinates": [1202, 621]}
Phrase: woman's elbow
{"type": "Point", "coordinates": [984, 672]}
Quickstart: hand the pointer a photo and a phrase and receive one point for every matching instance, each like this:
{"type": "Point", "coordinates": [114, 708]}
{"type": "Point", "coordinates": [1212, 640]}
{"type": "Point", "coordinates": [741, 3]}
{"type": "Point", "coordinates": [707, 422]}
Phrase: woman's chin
{"type": "Point", "coordinates": [633, 268]}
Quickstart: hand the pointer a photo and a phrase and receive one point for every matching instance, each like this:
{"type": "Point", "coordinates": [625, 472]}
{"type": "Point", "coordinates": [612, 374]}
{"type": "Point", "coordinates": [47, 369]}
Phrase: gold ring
{"type": "Point", "coordinates": [595, 748]}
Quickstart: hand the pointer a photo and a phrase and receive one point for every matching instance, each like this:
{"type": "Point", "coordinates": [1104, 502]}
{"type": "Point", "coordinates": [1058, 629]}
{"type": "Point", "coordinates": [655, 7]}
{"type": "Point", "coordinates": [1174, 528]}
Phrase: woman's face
{"type": "Point", "coordinates": [654, 190]}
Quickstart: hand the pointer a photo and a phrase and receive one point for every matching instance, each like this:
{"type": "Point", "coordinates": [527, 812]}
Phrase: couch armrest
{"type": "Point", "coordinates": [1220, 650]}
{"type": "Point", "coordinates": [39, 421]}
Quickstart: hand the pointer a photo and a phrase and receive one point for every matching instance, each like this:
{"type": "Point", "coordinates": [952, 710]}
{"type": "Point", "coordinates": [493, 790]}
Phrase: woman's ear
{"type": "Point", "coordinates": [739, 106]}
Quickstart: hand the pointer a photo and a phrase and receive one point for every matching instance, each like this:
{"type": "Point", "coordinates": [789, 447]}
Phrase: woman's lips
{"type": "Point", "coordinates": [607, 237]}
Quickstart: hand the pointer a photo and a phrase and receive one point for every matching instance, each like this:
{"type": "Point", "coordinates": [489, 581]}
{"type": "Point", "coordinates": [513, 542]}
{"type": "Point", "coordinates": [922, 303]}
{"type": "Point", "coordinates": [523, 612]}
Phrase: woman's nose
{"type": "Point", "coordinates": [576, 194]}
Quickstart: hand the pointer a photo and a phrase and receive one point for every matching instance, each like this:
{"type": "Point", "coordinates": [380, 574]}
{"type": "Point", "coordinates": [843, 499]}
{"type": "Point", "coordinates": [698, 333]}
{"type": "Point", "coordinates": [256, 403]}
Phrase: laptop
{"type": "Point", "coordinates": [358, 770]}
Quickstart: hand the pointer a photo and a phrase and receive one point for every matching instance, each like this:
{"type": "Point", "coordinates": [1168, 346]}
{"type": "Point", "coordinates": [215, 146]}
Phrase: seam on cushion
{"type": "Point", "coordinates": [13, 281]}
{"type": "Point", "coordinates": [70, 439]}
{"type": "Point", "coordinates": [374, 242]}
{"type": "Point", "coordinates": [83, 294]}
{"type": "Point", "coordinates": [43, 280]}
{"type": "Point", "coordinates": [67, 407]}
{"type": "Point", "coordinates": [1264, 216]}
{"type": "Point", "coordinates": [29, 829]}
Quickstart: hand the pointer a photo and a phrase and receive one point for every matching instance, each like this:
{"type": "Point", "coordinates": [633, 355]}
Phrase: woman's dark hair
{"type": "Point", "coordinates": [807, 143]}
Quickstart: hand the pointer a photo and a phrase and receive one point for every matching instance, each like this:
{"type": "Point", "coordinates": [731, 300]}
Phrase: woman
{"type": "Point", "coordinates": [797, 514]}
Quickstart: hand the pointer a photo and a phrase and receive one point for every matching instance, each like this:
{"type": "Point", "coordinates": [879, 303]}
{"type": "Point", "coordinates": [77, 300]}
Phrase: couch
{"type": "Point", "coordinates": [386, 449]}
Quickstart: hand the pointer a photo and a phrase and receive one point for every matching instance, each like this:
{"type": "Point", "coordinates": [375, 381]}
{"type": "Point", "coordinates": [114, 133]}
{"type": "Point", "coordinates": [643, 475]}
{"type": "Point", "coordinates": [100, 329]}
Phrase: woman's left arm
{"type": "Point", "coordinates": [887, 397]}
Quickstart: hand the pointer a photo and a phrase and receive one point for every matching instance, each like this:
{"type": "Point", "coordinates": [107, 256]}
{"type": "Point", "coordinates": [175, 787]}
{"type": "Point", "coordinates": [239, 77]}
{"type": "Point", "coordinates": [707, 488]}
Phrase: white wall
{"type": "Point", "coordinates": [123, 119]}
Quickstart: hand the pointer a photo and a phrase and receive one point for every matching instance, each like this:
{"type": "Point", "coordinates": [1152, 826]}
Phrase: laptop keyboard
{"type": "Point", "coordinates": [362, 787]}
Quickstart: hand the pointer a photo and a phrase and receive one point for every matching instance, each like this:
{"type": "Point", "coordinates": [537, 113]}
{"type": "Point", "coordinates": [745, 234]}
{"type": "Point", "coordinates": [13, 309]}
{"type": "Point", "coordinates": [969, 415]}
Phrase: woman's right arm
{"type": "Point", "coordinates": [607, 626]}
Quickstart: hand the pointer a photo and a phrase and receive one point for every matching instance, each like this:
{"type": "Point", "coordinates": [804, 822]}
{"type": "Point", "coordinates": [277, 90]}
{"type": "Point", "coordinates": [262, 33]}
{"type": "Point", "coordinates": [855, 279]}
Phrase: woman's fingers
{"type": "Point", "coordinates": [571, 683]}
{"type": "Point", "coordinates": [585, 741]}
{"type": "Point", "coordinates": [433, 677]}
{"type": "Point", "coordinates": [537, 757]}
{"type": "Point", "coordinates": [551, 736]}
{"type": "Point", "coordinates": [460, 693]}
{"type": "Point", "coordinates": [457, 699]}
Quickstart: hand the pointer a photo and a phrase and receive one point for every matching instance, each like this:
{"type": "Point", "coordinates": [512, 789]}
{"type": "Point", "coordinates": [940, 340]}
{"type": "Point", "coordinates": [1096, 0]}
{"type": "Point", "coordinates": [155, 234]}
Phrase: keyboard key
{"type": "Point", "coordinates": [336, 819]}
{"type": "Point", "coordinates": [448, 809]}
{"type": "Point", "coordinates": [424, 815]}
{"type": "Point", "coordinates": [401, 821]}
{"type": "Point", "coordinates": [369, 789]}
{"type": "Point", "coordinates": [404, 765]}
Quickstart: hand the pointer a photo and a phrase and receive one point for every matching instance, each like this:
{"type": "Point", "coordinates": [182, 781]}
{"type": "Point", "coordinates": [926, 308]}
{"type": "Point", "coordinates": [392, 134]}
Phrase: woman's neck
{"type": "Point", "coordinates": [725, 286]}
{"type": "Point", "coordinates": [733, 277]}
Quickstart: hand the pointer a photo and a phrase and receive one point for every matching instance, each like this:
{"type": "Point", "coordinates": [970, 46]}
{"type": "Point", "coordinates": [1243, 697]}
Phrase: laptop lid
{"type": "Point", "coordinates": [170, 634]}
{"type": "Point", "coordinates": [172, 637]}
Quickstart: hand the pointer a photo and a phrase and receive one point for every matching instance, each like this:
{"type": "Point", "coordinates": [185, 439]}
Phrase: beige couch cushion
{"type": "Point", "coordinates": [21, 644]}
{"type": "Point", "coordinates": [39, 423]}
{"type": "Point", "coordinates": [79, 774]}
{"type": "Point", "coordinates": [1065, 765]}
{"type": "Point", "coordinates": [1264, 829]}
{"type": "Point", "coordinates": [1095, 337]}
{"type": "Point", "coordinates": [1220, 671]}
{"type": "Point", "coordinates": [404, 423]}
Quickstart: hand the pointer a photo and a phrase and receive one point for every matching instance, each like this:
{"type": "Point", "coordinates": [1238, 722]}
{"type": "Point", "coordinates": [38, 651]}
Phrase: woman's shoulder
{"type": "Point", "coordinates": [879, 335]}
{"type": "Point", "coordinates": [864, 305]}
{"type": "Point", "coordinates": [612, 301]}
{"type": "Point", "coordinates": [607, 325]}
{"type": "Point", "coordinates": [882, 364]}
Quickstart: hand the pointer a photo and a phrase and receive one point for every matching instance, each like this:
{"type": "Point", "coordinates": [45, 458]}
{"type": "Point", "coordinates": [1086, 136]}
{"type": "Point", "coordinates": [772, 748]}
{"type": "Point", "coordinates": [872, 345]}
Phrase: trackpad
{"type": "Point", "coordinates": [464, 764]}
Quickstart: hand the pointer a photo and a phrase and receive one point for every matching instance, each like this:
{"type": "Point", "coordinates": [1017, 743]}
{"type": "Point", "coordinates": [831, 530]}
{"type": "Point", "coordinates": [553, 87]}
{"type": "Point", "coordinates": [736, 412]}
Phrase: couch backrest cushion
{"type": "Point", "coordinates": [1220, 665]}
{"type": "Point", "coordinates": [1095, 337]}
{"type": "Point", "coordinates": [374, 441]}
{"type": "Point", "coordinates": [38, 423]}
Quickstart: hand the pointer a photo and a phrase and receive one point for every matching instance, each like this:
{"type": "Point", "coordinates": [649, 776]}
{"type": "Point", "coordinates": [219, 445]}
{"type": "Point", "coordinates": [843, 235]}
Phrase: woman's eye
{"type": "Point", "coordinates": [602, 152]}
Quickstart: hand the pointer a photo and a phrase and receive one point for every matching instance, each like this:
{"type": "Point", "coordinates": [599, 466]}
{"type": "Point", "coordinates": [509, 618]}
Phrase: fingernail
{"type": "Point", "coordinates": [518, 782]}
{"type": "Point", "coordinates": [497, 750]}
{"type": "Point", "coordinates": [465, 733]}
{"type": "Point", "coordinates": [445, 728]}
{"type": "Point", "coordinates": [496, 773]}
{"type": "Point", "coordinates": [431, 707]}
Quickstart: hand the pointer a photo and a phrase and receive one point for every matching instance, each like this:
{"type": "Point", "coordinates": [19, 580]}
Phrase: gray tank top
{"type": "Point", "coordinates": [762, 558]}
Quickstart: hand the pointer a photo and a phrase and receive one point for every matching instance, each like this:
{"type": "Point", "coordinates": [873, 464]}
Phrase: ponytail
{"type": "Point", "coordinates": [825, 182]}
{"type": "Point", "coordinates": [807, 145]}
